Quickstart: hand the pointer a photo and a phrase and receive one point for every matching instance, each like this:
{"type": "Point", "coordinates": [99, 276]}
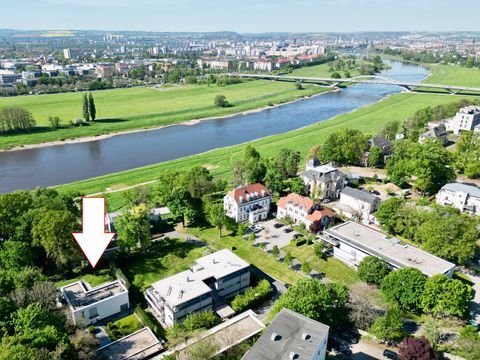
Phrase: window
{"type": "Point", "coordinates": [92, 313]}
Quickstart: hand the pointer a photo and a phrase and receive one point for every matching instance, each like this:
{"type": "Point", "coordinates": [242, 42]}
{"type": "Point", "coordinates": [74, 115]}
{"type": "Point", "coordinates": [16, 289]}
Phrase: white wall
{"type": "Point", "coordinates": [105, 308]}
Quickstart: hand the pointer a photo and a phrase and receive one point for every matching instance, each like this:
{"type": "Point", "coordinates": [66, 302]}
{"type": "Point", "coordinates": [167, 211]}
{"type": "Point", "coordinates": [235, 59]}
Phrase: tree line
{"type": "Point", "coordinates": [14, 119]}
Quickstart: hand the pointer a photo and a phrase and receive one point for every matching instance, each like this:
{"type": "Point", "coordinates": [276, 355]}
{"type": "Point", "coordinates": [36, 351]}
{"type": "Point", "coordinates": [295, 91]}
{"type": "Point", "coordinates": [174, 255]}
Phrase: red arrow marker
{"type": "Point", "coordinates": [93, 240]}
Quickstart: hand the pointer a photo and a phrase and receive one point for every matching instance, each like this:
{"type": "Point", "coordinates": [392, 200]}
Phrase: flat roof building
{"type": "Point", "coordinates": [353, 242]}
{"type": "Point", "coordinates": [89, 305]}
{"type": "Point", "coordinates": [291, 336]}
{"type": "Point", "coordinates": [212, 279]}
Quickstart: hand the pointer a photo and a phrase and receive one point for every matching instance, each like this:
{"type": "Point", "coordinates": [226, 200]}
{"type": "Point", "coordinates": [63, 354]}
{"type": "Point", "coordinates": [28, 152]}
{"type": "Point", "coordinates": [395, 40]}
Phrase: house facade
{"type": "Point", "coordinates": [435, 131]}
{"type": "Point", "coordinates": [211, 281]}
{"type": "Point", "coordinates": [303, 210]}
{"type": "Point", "coordinates": [357, 204]}
{"type": "Point", "coordinates": [466, 119]}
{"type": "Point", "coordinates": [322, 181]}
{"type": "Point", "coordinates": [248, 203]}
{"type": "Point", "coordinates": [291, 335]}
{"type": "Point", "coordinates": [352, 242]}
{"type": "Point", "coordinates": [464, 197]}
{"type": "Point", "coordinates": [89, 305]}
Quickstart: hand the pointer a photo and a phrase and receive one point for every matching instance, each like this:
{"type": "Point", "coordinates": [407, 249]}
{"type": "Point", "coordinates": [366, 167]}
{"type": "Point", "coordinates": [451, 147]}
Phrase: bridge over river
{"type": "Point", "coordinates": [368, 79]}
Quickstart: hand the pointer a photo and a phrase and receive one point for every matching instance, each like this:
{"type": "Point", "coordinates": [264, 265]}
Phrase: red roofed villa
{"type": "Point", "coordinates": [248, 203]}
{"type": "Point", "coordinates": [303, 210]}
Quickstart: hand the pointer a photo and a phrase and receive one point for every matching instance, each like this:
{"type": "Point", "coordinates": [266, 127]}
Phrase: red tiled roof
{"type": "Point", "coordinates": [319, 214]}
{"type": "Point", "coordinates": [296, 200]}
{"type": "Point", "coordinates": [248, 190]}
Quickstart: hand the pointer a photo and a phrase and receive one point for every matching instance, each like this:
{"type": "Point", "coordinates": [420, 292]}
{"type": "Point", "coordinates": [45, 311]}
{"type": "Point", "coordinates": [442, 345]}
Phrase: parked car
{"type": "Point", "coordinates": [296, 236]}
{"type": "Point", "coordinates": [375, 192]}
{"type": "Point", "coordinates": [278, 225]}
{"type": "Point", "coordinates": [390, 354]}
{"type": "Point", "coordinates": [287, 230]}
{"type": "Point", "coordinates": [326, 201]}
{"type": "Point", "coordinates": [348, 336]}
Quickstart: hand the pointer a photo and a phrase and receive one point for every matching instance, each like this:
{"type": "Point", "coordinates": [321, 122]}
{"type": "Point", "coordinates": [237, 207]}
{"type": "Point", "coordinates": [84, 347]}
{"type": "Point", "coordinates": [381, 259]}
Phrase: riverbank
{"type": "Point", "coordinates": [183, 123]}
{"type": "Point", "coordinates": [368, 119]}
{"type": "Point", "coordinates": [123, 110]}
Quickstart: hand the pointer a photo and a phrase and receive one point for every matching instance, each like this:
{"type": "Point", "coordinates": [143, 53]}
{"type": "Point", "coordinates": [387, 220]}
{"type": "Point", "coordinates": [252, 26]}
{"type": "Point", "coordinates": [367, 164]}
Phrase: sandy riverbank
{"type": "Point", "coordinates": [183, 123]}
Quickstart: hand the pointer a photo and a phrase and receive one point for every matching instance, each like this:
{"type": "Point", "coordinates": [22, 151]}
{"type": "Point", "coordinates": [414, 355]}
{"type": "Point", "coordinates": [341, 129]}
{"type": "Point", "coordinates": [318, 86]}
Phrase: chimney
{"type": "Point", "coordinates": [293, 355]}
{"type": "Point", "coordinates": [274, 336]}
{"type": "Point", "coordinates": [305, 336]}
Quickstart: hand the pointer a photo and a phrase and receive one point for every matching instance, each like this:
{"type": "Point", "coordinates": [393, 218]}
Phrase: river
{"type": "Point", "coordinates": [53, 165]}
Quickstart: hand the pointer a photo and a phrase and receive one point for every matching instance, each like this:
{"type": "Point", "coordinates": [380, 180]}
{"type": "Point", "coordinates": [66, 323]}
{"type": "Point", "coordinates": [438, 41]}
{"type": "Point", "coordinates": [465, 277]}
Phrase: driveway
{"type": "Point", "coordinates": [271, 236]}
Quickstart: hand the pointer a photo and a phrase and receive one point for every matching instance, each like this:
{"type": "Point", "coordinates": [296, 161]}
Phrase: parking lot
{"type": "Point", "coordinates": [272, 236]}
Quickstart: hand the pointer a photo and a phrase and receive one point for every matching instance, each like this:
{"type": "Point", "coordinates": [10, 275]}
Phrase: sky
{"type": "Point", "coordinates": [244, 16]}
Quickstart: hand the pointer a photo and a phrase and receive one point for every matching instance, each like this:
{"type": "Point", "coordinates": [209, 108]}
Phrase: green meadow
{"type": "Point", "coordinates": [141, 108]}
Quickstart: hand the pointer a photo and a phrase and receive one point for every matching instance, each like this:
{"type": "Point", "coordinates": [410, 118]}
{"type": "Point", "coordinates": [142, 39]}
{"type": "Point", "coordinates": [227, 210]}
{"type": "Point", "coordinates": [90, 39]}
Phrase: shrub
{"type": "Point", "coordinates": [275, 251]}
{"type": "Point", "coordinates": [221, 101]}
{"type": "Point", "coordinates": [147, 320]}
{"type": "Point", "coordinates": [54, 121]}
{"type": "Point", "coordinates": [252, 297]}
{"type": "Point", "coordinates": [306, 268]}
{"type": "Point", "coordinates": [199, 320]}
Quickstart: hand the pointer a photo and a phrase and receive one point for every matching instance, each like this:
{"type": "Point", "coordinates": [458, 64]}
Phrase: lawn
{"type": "Point", "coordinates": [99, 278]}
{"type": "Point", "coordinates": [247, 252]}
{"type": "Point", "coordinates": [454, 75]}
{"type": "Point", "coordinates": [333, 269]}
{"type": "Point", "coordinates": [164, 258]}
{"type": "Point", "coordinates": [123, 327]}
{"type": "Point", "coordinates": [141, 107]}
{"type": "Point", "coordinates": [321, 71]}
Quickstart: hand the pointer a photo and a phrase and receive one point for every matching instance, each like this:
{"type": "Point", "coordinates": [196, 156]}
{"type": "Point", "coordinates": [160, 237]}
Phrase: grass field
{"type": "Point", "coordinates": [100, 277]}
{"type": "Point", "coordinates": [454, 75]}
{"type": "Point", "coordinates": [123, 327]}
{"type": "Point", "coordinates": [140, 108]}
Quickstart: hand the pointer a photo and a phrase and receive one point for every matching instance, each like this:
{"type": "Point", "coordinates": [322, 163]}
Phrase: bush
{"type": "Point", "coordinates": [221, 101]}
{"type": "Point", "coordinates": [54, 121]}
{"type": "Point", "coordinates": [306, 268]}
{"type": "Point", "coordinates": [199, 320]}
{"type": "Point", "coordinates": [275, 251]}
{"type": "Point", "coordinates": [252, 297]}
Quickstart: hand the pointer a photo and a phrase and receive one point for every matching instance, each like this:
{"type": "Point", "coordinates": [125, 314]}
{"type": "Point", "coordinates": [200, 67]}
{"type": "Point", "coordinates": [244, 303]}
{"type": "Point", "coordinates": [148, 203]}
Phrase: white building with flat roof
{"type": "Point", "coordinates": [465, 120]}
{"type": "Point", "coordinates": [212, 279]}
{"type": "Point", "coordinates": [353, 242]}
{"type": "Point", "coordinates": [291, 336]}
{"type": "Point", "coordinates": [464, 197]}
{"type": "Point", "coordinates": [89, 305]}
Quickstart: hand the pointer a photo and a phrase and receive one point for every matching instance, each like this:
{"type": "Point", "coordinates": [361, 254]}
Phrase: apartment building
{"type": "Point", "coordinates": [213, 279]}
{"type": "Point", "coordinates": [466, 119]}
{"type": "Point", "coordinates": [322, 181]}
{"type": "Point", "coordinates": [464, 197]}
{"type": "Point", "coordinates": [248, 203]}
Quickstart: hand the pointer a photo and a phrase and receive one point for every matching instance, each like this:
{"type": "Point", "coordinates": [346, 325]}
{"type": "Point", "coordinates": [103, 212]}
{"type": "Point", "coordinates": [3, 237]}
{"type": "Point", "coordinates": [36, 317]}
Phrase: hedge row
{"type": "Point", "coordinates": [147, 320]}
{"type": "Point", "coordinates": [253, 297]}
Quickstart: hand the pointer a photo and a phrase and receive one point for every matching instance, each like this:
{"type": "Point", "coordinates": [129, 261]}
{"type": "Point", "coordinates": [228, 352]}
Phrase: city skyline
{"type": "Point", "coordinates": [245, 17]}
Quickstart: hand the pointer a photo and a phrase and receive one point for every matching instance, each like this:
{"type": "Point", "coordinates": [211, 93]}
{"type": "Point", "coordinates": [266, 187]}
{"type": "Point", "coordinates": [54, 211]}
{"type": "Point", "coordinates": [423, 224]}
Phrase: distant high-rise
{"type": "Point", "coordinates": [67, 54]}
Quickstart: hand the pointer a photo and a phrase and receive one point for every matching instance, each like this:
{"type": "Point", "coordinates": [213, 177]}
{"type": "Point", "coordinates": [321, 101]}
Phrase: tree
{"type": "Point", "coordinates": [318, 248]}
{"type": "Point", "coordinates": [221, 101]}
{"type": "Point", "coordinates": [275, 251]}
{"type": "Point", "coordinates": [42, 293]}
{"type": "Point", "coordinates": [314, 151]}
{"type": "Point", "coordinates": [446, 297]}
{"type": "Point", "coordinates": [273, 179]}
{"type": "Point", "coordinates": [133, 228]}
{"type": "Point", "coordinates": [91, 107]}
{"type": "Point", "coordinates": [345, 146]}
{"type": "Point", "coordinates": [428, 166]}
{"type": "Point", "coordinates": [198, 181]}
{"type": "Point", "coordinates": [54, 121]}
{"type": "Point", "coordinates": [449, 234]}
{"type": "Point", "coordinates": [390, 130]}
{"type": "Point", "coordinates": [404, 287]}
{"type": "Point", "coordinates": [390, 326]}
{"type": "Point", "coordinates": [335, 75]}
{"type": "Point", "coordinates": [467, 154]}
{"type": "Point", "coordinates": [53, 230]}
{"type": "Point", "coordinates": [416, 349]}
{"type": "Point", "coordinates": [183, 206]}
{"type": "Point", "coordinates": [312, 298]}
{"type": "Point", "coordinates": [287, 162]}
{"type": "Point", "coordinates": [297, 186]}
{"type": "Point", "coordinates": [12, 207]}
{"type": "Point", "coordinates": [86, 113]}
{"type": "Point", "coordinates": [136, 196]}
{"type": "Point", "coordinates": [373, 270]}
{"type": "Point", "coordinates": [15, 119]}
{"type": "Point", "coordinates": [216, 216]}
{"type": "Point", "coordinates": [375, 156]}
{"type": "Point", "coordinates": [362, 313]}
{"type": "Point", "coordinates": [387, 214]}
{"type": "Point", "coordinates": [288, 258]}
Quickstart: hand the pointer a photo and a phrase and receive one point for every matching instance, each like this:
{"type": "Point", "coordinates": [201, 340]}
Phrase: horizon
{"type": "Point", "coordinates": [248, 17]}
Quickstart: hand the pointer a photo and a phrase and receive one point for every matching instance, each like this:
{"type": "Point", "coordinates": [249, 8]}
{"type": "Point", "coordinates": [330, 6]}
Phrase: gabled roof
{"type": "Point", "coordinates": [361, 195]}
{"type": "Point", "coordinates": [299, 201]}
{"type": "Point", "coordinates": [459, 187]}
{"type": "Point", "coordinates": [380, 142]}
{"type": "Point", "coordinates": [319, 214]}
{"type": "Point", "coordinates": [244, 192]}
